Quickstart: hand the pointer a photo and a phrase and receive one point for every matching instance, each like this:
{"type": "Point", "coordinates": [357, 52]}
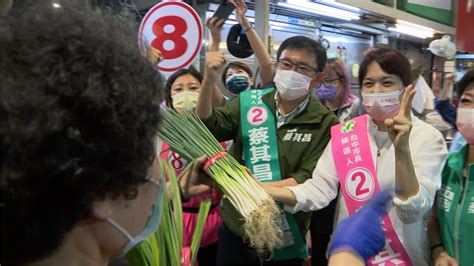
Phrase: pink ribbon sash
{"type": "Point", "coordinates": [358, 177]}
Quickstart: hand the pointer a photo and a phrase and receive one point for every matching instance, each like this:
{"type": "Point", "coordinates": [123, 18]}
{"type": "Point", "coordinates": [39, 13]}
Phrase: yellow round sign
{"type": "Point", "coordinates": [355, 70]}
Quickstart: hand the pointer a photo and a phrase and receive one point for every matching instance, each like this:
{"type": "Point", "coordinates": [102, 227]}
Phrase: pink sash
{"type": "Point", "coordinates": [355, 168]}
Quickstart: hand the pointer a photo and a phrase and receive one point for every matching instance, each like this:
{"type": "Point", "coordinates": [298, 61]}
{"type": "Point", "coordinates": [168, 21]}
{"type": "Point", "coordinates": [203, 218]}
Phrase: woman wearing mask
{"type": "Point", "coordinates": [385, 149]}
{"type": "Point", "coordinates": [82, 162]}
{"type": "Point", "coordinates": [335, 92]}
{"type": "Point", "coordinates": [238, 76]}
{"type": "Point", "coordinates": [450, 227]}
{"type": "Point", "coordinates": [181, 93]}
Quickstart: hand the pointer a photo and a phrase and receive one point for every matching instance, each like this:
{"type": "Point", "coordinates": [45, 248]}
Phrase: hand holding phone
{"type": "Point", "coordinates": [224, 10]}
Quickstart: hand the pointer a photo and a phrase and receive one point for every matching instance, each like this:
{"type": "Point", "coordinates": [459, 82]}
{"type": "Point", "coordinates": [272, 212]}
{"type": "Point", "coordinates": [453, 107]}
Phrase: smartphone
{"type": "Point", "coordinates": [224, 10]}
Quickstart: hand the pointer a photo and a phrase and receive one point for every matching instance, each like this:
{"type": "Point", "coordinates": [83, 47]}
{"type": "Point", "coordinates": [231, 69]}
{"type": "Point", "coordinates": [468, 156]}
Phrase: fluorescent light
{"type": "Point", "coordinates": [320, 9]}
{"type": "Point", "coordinates": [333, 2]}
{"type": "Point", "coordinates": [409, 24]}
{"type": "Point", "coordinates": [56, 5]}
{"type": "Point", "coordinates": [412, 29]}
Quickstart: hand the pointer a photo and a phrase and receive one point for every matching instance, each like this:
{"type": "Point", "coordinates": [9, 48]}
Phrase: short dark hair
{"type": "Point", "coordinates": [464, 82]}
{"type": "Point", "coordinates": [306, 44]}
{"type": "Point", "coordinates": [169, 82]}
{"type": "Point", "coordinates": [238, 65]}
{"type": "Point", "coordinates": [390, 60]}
{"type": "Point", "coordinates": [79, 112]}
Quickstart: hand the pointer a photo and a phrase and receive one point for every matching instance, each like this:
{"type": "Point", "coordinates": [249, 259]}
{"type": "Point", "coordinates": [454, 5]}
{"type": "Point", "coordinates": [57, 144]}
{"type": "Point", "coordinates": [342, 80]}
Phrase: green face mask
{"type": "Point", "coordinates": [151, 225]}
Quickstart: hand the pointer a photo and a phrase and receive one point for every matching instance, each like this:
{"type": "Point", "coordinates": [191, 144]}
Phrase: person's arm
{"type": "Point", "coordinates": [318, 186]}
{"type": "Point", "coordinates": [195, 182]}
{"type": "Point", "coordinates": [214, 63]}
{"type": "Point", "coordinates": [439, 255]}
{"type": "Point", "coordinates": [418, 171]}
{"type": "Point", "coordinates": [399, 128]}
{"type": "Point", "coordinates": [263, 58]}
{"type": "Point", "coordinates": [360, 236]}
{"type": "Point", "coordinates": [344, 258]}
{"type": "Point", "coordinates": [215, 27]}
{"type": "Point", "coordinates": [447, 91]}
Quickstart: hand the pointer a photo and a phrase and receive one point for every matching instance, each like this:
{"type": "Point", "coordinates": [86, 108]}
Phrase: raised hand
{"type": "Point", "coordinates": [215, 61]}
{"type": "Point", "coordinates": [240, 10]}
{"type": "Point", "coordinates": [399, 126]}
{"type": "Point", "coordinates": [214, 25]}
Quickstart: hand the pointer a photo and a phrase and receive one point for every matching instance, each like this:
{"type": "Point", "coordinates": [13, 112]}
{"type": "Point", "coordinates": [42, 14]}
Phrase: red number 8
{"type": "Point", "coordinates": [180, 44]}
{"type": "Point", "coordinates": [176, 161]}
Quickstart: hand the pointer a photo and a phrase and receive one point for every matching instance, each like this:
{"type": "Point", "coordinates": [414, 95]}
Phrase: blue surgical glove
{"type": "Point", "coordinates": [362, 232]}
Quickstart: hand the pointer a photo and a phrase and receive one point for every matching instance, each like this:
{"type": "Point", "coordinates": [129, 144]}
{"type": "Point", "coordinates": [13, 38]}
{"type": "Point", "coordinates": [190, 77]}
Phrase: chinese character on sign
{"type": "Point", "coordinates": [306, 138]}
{"type": "Point", "coordinates": [470, 210]}
{"type": "Point", "coordinates": [346, 150]}
{"type": "Point", "coordinates": [259, 153]}
{"type": "Point", "coordinates": [355, 144]}
{"type": "Point", "coordinates": [358, 158]}
{"type": "Point", "coordinates": [258, 135]}
{"type": "Point", "coordinates": [297, 137]}
{"type": "Point", "coordinates": [356, 151]}
{"type": "Point", "coordinates": [349, 161]}
{"type": "Point", "coordinates": [345, 140]}
{"type": "Point", "coordinates": [262, 172]}
{"type": "Point", "coordinates": [287, 136]}
{"type": "Point", "coordinates": [353, 137]}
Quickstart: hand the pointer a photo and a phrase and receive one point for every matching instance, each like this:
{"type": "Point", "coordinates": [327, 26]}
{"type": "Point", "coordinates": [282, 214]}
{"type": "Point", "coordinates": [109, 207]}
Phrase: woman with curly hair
{"type": "Point", "coordinates": [79, 108]}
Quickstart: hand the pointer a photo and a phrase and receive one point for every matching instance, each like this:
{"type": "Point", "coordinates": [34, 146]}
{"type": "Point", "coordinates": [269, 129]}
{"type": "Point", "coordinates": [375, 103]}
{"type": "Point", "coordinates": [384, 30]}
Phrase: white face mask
{"type": "Point", "coordinates": [465, 123]}
{"type": "Point", "coordinates": [381, 106]}
{"type": "Point", "coordinates": [185, 100]}
{"type": "Point", "coordinates": [291, 84]}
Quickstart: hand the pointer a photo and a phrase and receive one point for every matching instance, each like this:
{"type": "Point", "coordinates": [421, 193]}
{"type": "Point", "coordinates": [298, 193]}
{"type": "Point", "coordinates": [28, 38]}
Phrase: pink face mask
{"type": "Point", "coordinates": [465, 123]}
{"type": "Point", "coordinates": [381, 106]}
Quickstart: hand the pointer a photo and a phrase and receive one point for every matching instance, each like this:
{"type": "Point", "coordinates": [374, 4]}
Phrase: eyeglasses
{"type": "Point", "coordinates": [300, 68]}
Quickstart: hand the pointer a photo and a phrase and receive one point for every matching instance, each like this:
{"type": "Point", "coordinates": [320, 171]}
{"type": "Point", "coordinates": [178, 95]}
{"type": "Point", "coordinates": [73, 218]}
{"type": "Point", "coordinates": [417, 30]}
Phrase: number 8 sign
{"type": "Point", "coordinates": [173, 28]}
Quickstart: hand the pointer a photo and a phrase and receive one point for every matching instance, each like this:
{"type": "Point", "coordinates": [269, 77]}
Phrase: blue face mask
{"type": "Point", "coordinates": [326, 92]}
{"type": "Point", "coordinates": [152, 223]}
{"type": "Point", "coordinates": [237, 83]}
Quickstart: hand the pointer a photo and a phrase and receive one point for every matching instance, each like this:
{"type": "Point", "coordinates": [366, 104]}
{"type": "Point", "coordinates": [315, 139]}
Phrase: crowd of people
{"type": "Point", "coordinates": [362, 178]}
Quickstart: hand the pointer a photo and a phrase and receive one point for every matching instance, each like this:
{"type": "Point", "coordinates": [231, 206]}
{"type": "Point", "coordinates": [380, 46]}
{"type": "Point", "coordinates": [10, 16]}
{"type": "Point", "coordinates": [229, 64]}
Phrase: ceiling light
{"type": "Point", "coordinates": [412, 29]}
{"type": "Point", "coordinates": [320, 9]}
{"type": "Point", "coordinates": [334, 3]}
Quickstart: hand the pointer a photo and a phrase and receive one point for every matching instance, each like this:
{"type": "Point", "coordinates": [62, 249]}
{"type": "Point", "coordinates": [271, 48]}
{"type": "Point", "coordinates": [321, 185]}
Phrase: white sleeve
{"type": "Point", "coordinates": [317, 192]}
{"type": "Point", "coordinates": [429, 154]}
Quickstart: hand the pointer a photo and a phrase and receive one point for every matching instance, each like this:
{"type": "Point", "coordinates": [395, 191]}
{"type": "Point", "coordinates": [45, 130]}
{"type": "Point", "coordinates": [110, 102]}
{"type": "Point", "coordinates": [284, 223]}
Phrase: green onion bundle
{"type": "Point", "coordinates": [188, 136]}
{"type": "Point", "coordinates": [165, 246]}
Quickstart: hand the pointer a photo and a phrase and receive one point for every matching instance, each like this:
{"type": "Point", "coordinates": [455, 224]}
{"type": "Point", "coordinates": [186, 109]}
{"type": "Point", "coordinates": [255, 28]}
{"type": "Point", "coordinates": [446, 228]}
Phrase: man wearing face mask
{"type": "Point", "coordinates": [279, 134]}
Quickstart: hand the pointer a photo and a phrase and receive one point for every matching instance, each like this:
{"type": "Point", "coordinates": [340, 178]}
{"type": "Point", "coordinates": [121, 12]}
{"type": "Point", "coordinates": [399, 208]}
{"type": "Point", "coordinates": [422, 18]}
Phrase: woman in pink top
{"type": "Point", "coordinates": [181, 93]}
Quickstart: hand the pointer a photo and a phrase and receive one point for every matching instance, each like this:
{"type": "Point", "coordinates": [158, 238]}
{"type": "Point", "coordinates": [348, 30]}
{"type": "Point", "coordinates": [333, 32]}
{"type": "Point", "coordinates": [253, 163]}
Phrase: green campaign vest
{"type": "Point", "coordinates": [456, 208]}
{"type": "Point", "coordinates": [261, 157]}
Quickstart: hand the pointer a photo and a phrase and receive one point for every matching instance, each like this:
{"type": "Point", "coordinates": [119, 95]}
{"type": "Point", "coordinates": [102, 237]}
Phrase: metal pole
{"type": "Point", "coordinates": [262, 23]}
